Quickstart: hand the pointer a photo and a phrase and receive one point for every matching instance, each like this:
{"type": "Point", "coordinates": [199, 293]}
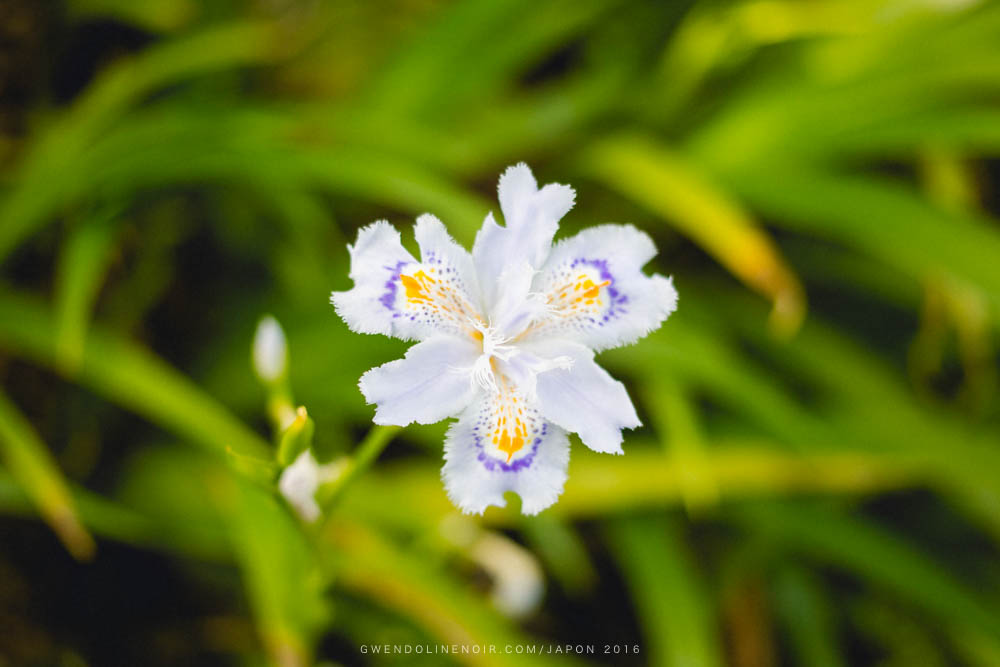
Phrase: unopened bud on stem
{"type": "Point", "coordinates": [270, 351]}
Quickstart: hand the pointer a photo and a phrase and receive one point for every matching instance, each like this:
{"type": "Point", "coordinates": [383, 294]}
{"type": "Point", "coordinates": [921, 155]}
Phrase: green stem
{"type": "Point", "coordinates": [356, 464]}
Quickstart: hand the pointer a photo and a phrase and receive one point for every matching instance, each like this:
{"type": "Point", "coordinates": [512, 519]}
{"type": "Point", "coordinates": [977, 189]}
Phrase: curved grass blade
{"type": "Point", "coordinates": [673, 607]}
{"type": "Point", "coordinates": [806, 615]}
{"type": "Point", "coordinates": [52, 161]}
{"type": "Point", "coordinates": [876, 215]}
{"type": "Point", "coordinates": [877, 556]}
{"type": "Point", "coordinates": [256, 147]}
{"type": "Point", "coordinates": [410, 496]}
{"type": "Point", "coordinates": [447, 66]}
{"type": "Point", "coordinates": [364, 562]}
{"type": "Point", "coordinates": [82, 265]}
{"type": "Point", "coordinates": [559, 545]}
{"type": "Point", "coordinates": [280, 572]}
{"type": "Point", "coordinates": [205, 507]}
{"type": "Point", "coordinates": [32, 466]}
{"type": "Point", "coordinates": [130, 376]}
{"type": "Point", "coordinates": [157, 15]}
{"type": "Point", "coordinates": [671, 187]}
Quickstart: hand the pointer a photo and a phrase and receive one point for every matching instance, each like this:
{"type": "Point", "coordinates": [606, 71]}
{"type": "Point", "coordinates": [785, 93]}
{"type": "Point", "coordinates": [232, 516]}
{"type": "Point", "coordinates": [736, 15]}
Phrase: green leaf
{"type": "Point", "coordinates": [469, 50]}
{"type": "Point", "coordinates": [412, 494]}
{"type": "Point", "coordinates": [32, 466]}
{"type": "Point", "coordinates": [878, 557]}
{"type": "Point", "coordinates": [679, 623]}
{"type": "Point", "coordinates": [160, 15]}
{"type": "Point", "coordinates": [365, 563]}
{"type": "Point", "coordinates": [52, 160]}
{"type": "Point", "coordinates": [875, 214]}
{"type": "Point", "coordinates": [82, 265]}
{"type": "Point", "coordinates": [283, 578]}
{"type": "Point", "coordinates": [201, 504]}
{"type": "Point", "coordinates": [805, 613]}
{"type": "Point", "coordinates": [132, 377]}
{"type": "Point", "coordinates": [671, 187]}
{"type": "Point", "coordinates": [561, 548]}
{"type": "Point", "coordinates": [256, 147]}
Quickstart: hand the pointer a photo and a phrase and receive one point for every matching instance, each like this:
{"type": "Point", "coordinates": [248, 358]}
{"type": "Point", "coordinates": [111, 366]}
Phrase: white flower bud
{"type": "Point", "coordinates": [518, 582]}
{"type": "Point", "coordinates": [299, 482]}
{"type": "Point", "coordinates": [270, 351]}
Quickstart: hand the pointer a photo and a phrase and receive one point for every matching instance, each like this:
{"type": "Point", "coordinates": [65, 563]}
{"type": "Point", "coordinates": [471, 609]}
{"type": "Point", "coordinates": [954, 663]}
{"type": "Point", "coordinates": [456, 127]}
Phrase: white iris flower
{"type": "Point", "coordinates": [507, 338]}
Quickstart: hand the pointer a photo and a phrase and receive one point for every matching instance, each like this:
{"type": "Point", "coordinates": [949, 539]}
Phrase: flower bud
{"type": "Point", "coordinates": [270, 351]}
{"type": "Point", "coordinates": [297, 437]}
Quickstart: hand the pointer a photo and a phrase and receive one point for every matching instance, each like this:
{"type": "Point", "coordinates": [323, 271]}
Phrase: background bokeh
{"type": "Point", "coordinates": [818, 478]}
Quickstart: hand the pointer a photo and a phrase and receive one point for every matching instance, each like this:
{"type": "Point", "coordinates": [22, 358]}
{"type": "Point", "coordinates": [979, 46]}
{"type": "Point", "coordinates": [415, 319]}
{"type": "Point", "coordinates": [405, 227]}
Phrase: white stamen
{"type": "Point", "coordinates": [482, 374]}
{"type": "Point", "coordinates": [494, 345]}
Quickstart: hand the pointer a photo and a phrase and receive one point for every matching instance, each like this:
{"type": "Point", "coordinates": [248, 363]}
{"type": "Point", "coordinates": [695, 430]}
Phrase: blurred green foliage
{"type": "Point", "coordinates": [815, 488]}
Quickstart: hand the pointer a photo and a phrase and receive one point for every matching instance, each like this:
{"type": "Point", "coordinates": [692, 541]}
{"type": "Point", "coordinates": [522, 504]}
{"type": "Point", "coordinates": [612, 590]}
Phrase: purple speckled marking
{"type": "Point", "coordinates": [492, 464]}
{"type": "Point", "coordinates": [618, 300]}
{"type": "Point", "coordinates": [389, 297]}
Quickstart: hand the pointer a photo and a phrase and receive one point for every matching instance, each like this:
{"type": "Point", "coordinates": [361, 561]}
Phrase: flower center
{"type": "Point", "coordinates": [484, 371]}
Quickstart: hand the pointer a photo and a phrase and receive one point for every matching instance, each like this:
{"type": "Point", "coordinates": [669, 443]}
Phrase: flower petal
{"type": "Point", "coordinates": [524, 367]}
{"type": "Point", "coordinates": [377, 257]}
{"type": "Point", "coordinates": [516, 306]}
{"type": "Point", "coordinates": [432, 382]}
{"type": "Point", "coordinates": [477, 472]}
{"type": "Point", "coordinates": [396, 295]}
{"type": "Point", "coordinates": [531, 218]}
{"type": "Point", "coordinates": [516, 187]}
{"type": "Point", "coordinates": [583, 398]}
{"type": "Point", "coordinates": [596, 291]}
{"type": "Point", "coordinates": [438, 249]}
{"type": "Point", "coordinates": [524, 205]}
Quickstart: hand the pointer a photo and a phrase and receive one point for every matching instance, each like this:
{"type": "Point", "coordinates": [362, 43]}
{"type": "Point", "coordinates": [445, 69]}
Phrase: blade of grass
{"type": "Point", "coordinates": [50, 163]}
{"type": "Point", "coordinates": [671, 187]}
{"type": "Point", "coordinates": [203, 505]}
{"type": "Point", "coordinates": [364, 562]}
{"type": "Point", "coordinates": [561, 548]}
{"type": "Point", "coordinates": [269, 148]}
{"type": "Point", "coordinates": [970, 131]}
{"type": "Point", "coordinates": [445, 67]}
{"type": "Point", "coordinates": [518, 41]}
{"type": "Point", "coordinates": [676, 423]}
{"type": "Point", "coordinates": [806, 614]}
{"type": "Point", "coordinates": [280, 572]}
{"type": "Point", "coordinates": [875, 214]}
{"type": "Point", "coordinates": [673, 607]}
{"type": "Point", "coordinates": [872, 79]}
{"type": "Point", "coordinates": [158, 15]}
{"type": "Point", "coordinates": [102, 516]}
{"type": "Point", "coordinates": [877, 556]}
{"type": "Point", "coordinates": [410, 496]}
{"type": "Point", "coordinates": [128, 524]}
{"type": "Point", "coordinates": [130, 376]}
{"type": "Point", "coordinates": [873, 411]}
{"type": "Point", "coordinates": [904, 639]}
{"type": "Point", "coordinates": [702, 357]}
{"type": "Point", "coordinates": [83, 262]}
{"type": "Point", "coordinates": [31, 464]}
